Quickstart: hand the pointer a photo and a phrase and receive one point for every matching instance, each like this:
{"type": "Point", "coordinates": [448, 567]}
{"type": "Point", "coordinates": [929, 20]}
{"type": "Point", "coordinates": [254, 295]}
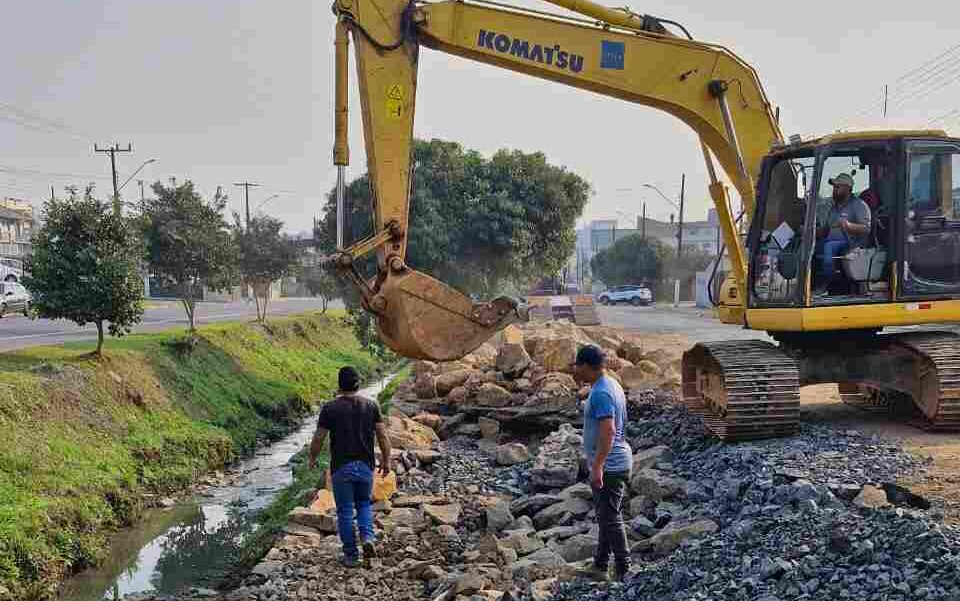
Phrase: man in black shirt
{"type": "Point", "coordinates": [352, 421]}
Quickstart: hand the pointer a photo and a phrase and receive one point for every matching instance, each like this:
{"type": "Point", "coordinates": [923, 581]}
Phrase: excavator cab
{"type": "Point", "coordinates": [905, 193]}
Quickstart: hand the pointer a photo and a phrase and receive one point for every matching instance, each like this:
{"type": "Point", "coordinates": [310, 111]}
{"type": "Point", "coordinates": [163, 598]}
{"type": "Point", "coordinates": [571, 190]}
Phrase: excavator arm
{"type": "Point", "coordinates": [615, 53]}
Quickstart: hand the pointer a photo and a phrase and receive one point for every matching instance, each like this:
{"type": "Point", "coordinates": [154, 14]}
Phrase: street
{"type": "Point", "coordinates": [17, 331]}
{"type": "Point", "coordinates": [699, 325]}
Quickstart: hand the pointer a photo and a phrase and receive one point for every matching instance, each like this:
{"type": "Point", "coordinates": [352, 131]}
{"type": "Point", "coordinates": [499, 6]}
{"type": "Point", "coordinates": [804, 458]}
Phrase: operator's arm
{"type": "Point", "coordinates": [383, 439]}
{"type": "Point", "coordinates": [316, 446]}
{"type": "Point", "coordinates": [605, 433]}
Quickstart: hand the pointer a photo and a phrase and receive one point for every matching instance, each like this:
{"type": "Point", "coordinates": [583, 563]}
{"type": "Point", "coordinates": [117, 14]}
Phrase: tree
{"type": "Point", "coordinates": [266, 255]}
{"type": "Point", "coordinates": [84, 266]}
{"type": "Point", "coordinates": [188, 243]}
{"type": "Point", "coordinates": [481, 225]}
{"type": "Point", "coordinates": [320, 282]}
{"type": "Point", "coordinates": [630, 260]}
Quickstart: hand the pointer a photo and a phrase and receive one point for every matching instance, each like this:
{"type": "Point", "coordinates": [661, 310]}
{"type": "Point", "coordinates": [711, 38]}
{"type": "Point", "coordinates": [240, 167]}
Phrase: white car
{"type": "Point", "coordinates": [635, 295]}
{"type": "Point", "coordinates": [14, 298]}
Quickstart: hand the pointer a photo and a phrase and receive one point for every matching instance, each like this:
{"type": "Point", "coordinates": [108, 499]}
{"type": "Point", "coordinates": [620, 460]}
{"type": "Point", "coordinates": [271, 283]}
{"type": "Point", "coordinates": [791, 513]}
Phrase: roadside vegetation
{"type": "Point", "coordinates": [88, 443]}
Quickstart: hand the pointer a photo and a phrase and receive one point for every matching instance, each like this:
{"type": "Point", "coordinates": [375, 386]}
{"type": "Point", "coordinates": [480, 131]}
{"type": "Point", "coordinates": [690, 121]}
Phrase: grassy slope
{"type": "Point", "coordinates": [84, 440]}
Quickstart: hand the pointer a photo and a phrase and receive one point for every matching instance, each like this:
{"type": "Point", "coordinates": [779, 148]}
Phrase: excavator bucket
{"type": "Point", "coordinates": [426, 319]}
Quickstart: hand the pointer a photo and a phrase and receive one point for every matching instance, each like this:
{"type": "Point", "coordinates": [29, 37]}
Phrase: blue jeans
{"type": "Point", "coordinates": [352, 490]}
{"type": "Point", "coordinates": [827, 251]}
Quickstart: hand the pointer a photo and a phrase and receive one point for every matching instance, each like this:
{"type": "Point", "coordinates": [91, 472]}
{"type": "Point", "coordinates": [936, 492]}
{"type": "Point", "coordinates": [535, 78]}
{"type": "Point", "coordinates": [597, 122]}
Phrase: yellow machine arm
{"type": "Point", "coordinates": [614, 53]}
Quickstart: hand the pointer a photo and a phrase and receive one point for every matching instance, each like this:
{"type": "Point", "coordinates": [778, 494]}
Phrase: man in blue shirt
{"type": "Point", "coordinates": [609, 457]}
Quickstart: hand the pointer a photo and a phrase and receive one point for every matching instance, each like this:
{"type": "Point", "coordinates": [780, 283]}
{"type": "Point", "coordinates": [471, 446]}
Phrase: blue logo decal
{"type": "Point", "coordinates": [611, 55]}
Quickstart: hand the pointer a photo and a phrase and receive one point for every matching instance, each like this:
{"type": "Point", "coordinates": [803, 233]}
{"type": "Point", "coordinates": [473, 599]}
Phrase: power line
{"type": "Point", "coordinates": [246, 188]}
{"type": "Point", "coordinates": [112, 151]}
{"type": "Point", "coordinates": [36, 122]}
{"type": "Point", "coordinates": [32, 173]}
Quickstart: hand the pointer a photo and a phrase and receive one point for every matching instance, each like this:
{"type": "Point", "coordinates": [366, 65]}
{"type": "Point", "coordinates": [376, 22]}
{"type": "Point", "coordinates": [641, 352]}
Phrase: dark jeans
{"type": "Point", "coordinates": [352, 488]}
{"type": "Point", "coordinates": [613, 534]}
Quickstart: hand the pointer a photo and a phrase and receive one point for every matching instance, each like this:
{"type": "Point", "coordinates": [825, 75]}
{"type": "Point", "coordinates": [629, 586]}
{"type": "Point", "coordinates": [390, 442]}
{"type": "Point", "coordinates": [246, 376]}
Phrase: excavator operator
{"type": "Point", "coordinates": [847, 228]}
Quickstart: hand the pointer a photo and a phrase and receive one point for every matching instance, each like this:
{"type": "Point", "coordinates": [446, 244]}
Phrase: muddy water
{"type": "Point", "coordinates": [194, 543]}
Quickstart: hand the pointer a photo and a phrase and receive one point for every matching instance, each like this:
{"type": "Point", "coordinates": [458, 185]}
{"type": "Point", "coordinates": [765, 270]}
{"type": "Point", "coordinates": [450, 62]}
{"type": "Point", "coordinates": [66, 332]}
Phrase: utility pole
{"type": "Point", "coordinates": [51, 193]}
{"type": "Point", "coordinates": [140, 183]}
{"type": "Point", "coordinates": [112, 151]}
{"type": "Point", "coordinates": [683, 182]}
{"type": "Point", "coordinates": [886, 95]}
{"type": "Point", "coordinates": [643, 223]}
{"type": "Point", "coordinates": [246, 188]}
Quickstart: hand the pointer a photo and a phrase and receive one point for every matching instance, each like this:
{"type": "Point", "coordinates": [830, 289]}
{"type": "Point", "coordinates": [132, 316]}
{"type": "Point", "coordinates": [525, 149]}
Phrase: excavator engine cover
{"type": "Point", "coordinates": [423, 318]}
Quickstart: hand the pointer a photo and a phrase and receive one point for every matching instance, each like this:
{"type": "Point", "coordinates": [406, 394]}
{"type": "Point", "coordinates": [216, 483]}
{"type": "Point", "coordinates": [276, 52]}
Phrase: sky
{"type": "Point", "coordinates": [223, 91]}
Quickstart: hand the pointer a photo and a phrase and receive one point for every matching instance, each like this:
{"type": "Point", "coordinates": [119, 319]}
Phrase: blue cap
{"type": "Point", "coordinates": [590, 355]}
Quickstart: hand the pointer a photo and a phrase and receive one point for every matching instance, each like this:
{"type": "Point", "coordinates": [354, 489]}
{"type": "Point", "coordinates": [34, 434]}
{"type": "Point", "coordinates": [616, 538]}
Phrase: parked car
{"type": "Point", "coordinates": [14, 299]}
{"type": "Point", "coordinates": [635, 295]}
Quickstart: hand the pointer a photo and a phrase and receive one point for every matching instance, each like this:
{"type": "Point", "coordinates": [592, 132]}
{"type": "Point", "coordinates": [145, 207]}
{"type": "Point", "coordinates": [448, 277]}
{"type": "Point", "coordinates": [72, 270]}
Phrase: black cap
{"type": "Point", "coordinates": [590, 355]}
{"type": "Point", "coordinates": [348, 379]}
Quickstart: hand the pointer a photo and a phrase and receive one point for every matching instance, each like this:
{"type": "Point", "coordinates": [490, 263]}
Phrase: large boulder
{"type": "Point", "coordinates": [523, 543]}
{"type": "Point", "coordinates": [655, 485]}
{"type": "Point", "coordinates": [425, 367]}
{"type": "Point", "coordinates": [512, 359]}
{"type": "Point", "coordinates": [425, 386]}
{"type": "Point", "coordinates": [491, 395]}
{"type": "Point", "coordinates": [556, 354]}
{"type": "Point", "coordinates": [558, 459]}
{"type": "Point", "coordinates": [499, 516]}
{"type": "Point", "coordinates": [670, 538]}
{"type": "Point", "coordinates": [443, 514]}
{"type": "Point", "coordinates": [533, 504]}
{"type": "Point", "coordinates": [649, 457]}
{"type": "Point", "coordinates": [578, 548]}
{"type": "Point", "coordinates": [489, 428]}
{"type": "Point", "coordinates": [430, 420]}
{"type": "Point", "coordinates": [457, 396]}
{"type": "Point", "coordinates": [631, 351]}
{"type": "Point", "coordinates": [407, 434]}
{"type": "Point", "coordinates": [634, 376]}
{"type": "Point", "coordinates": [552, 515]}
{"type": "Point", "coordinates": [324, 521]}
{"type": "Point", "coordinates": [871, 497]}
{"type": "Point", "coordinates": [485, 356]}
{"type": "Point", "coordinates": [512, 454]}
{"type": "Point", "coordinates": [451, 379]}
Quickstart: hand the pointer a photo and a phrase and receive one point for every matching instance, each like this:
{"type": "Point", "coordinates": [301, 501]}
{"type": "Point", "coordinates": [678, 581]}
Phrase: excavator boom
{"type": "Point", "coordinates": [615, 53]}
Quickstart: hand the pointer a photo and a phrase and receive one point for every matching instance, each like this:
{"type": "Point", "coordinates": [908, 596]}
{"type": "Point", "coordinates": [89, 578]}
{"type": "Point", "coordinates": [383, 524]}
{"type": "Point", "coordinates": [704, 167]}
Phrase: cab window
{"type": "Point", "coordinates": [932, 221]}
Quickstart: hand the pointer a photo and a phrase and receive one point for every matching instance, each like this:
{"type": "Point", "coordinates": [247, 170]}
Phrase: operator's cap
{"type": "Point", "coordinates": [590, 355]}
{"type": "Point", "coordinates": [842, 179]}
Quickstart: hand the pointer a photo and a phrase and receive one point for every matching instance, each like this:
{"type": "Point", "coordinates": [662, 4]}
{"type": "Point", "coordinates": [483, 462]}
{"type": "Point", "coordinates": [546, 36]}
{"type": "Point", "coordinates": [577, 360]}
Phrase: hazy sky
{"type": "Point", "coordinates": [221, 91]}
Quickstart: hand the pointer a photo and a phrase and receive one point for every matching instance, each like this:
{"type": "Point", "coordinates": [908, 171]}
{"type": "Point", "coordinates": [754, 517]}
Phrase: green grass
{"type": "Point", "coordinates": [84, 440]}
{"type": "Point", "coordinates": [386, 395]}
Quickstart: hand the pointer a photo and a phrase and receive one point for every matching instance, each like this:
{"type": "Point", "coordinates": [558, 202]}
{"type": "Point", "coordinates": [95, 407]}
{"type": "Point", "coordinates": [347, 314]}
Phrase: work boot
{"type": "Point", "coordinates": [621, 573]}
{"type": "Point", "coordinates": [369, 552]}
{"type": "Point", "coordinates": [350, 562]}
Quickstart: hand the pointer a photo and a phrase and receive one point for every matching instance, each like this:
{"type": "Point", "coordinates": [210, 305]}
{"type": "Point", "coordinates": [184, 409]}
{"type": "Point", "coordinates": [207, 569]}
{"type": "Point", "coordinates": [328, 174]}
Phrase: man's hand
{"type": "Point", "coordinates": [596, 478]}
{"type": "Point", "coordinates": [845, 225]}
{"type": "Point", "coordinates": [386, 466]}
{"type": "Point", "coordinates": [312, 462]}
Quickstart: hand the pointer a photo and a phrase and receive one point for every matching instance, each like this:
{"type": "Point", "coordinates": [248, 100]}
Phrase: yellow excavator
{"type": "Point", "coordinates": [826, 305]}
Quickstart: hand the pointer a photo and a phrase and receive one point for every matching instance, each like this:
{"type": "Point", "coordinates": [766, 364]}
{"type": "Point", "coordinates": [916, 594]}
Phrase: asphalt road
{"type": "Point", "coordinates": [17, 331]}
{"type": "Point", "coordinates": [700, 325]}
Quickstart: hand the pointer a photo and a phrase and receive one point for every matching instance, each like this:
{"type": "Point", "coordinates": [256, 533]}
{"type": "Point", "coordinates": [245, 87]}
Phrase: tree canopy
{"type": "Point", "coordinates": [84, 265]}
{"type": "Point", "coordinates": [266, 254]}
{"type": "Point", "coordinates": [630, 260]}
{"type": "Point", "coordinates": [481, 225]}
{"type": "Point", "coordinates": [188, 242]}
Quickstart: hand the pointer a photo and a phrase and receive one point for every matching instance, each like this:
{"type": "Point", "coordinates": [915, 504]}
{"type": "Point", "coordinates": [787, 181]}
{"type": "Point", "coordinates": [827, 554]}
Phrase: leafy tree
{"type": "Point", "coordinates": [266, 254]}
{"type": "Point", "coordinates": [322, 283]}
{"type": "Point", "coordinates": [188, 243]}
{"type": "Point", "coordinates": [481, 225]}
{"type": "Point", "coordinates": [630, 260]}
{"type": "Point", "coordinates": [84, 266]}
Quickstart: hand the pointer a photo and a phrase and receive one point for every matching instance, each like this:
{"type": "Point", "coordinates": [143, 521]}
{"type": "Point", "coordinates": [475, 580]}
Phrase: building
{"type": "Point", "coordinates": [703, 236]}
{"type": "Point", "coordinates": [16, 232]}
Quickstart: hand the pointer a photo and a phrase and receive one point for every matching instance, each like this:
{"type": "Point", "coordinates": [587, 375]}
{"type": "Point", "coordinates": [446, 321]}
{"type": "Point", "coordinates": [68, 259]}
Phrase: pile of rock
{"type": "Point", "coordinates": [523, 378]}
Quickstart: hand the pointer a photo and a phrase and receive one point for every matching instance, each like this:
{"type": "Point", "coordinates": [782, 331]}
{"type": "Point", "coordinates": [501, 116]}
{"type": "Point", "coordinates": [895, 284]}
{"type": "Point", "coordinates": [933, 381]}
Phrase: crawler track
{"type": "Point", "coordinates": [744, 390]}
{"type": "Point", "coordinates": [936, 377]}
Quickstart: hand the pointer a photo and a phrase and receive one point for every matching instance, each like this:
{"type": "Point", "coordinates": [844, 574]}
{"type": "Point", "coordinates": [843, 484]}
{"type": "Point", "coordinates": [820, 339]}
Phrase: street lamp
{"type": "Point", "coordinates": [134, 174]}
{"type": "Point", "coordinates": [265, 201]}
{"type": "Point", "coordinates": [683, 182]}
